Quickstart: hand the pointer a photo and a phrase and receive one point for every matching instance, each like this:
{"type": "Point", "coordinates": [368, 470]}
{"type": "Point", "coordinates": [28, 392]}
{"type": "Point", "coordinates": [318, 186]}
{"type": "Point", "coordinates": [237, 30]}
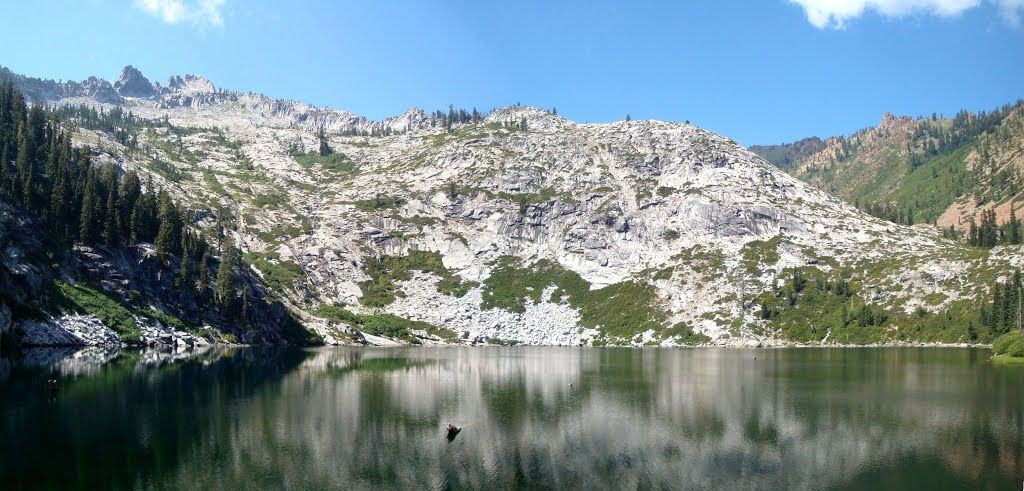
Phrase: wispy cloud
{"type": "Point", "coordinates": [836, 13]}
{"type": "Point", "coordinates": [202, 13]}
{"type": "Point", "coordinates": [1011, 11]}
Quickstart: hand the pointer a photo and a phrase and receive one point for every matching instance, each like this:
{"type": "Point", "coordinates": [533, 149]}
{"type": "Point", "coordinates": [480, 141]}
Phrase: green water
{"type": "Point", "coordinates": [533, 417]}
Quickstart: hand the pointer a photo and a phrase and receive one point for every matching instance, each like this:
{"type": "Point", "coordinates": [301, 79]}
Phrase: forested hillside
{"type": "Point", "coordinates": [83, 207]}
{"type": "Point", "coordinates": [942, 170]}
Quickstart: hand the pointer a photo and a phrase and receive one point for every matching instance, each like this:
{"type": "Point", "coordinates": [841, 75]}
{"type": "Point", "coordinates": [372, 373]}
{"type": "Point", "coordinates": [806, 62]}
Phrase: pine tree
{"type": "Point", "coordinates": [144, 216]}
{"type": "Point", "coordinates": [203, 286]}
{"type": "Point", "coordinates": [1014, 232]}
{"type": "Point", "coordinates": [111, 220]}
{"type": "Point", "coordinates": [185, 279]}
{"type": "Point", "coordinates": [61, 195]}
{"type": "Point", "coordinates": [88, 231]}
{"type": "Point", "coordinates": [1015, 308]}
{"type": "Point", "coordinates": [24, 165]}
{"type": "Point", "coordinates": [325, 148]}
{"type": "Point", "coordinates": [128, 193]}
{"type": "Point", "coordinates": [997, 308]}
{"type": "Point", "coordinates": [224, 290]}
{"type": "Point", "coordinates": [168, 238]}
{"type": "Point", "coordinates": [53, 157]}
{"type": "Point", "coordinates": [246, 307]}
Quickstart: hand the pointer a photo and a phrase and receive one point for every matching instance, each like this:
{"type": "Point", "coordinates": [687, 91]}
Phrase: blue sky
{"type": "Point", "coordinates": [761, 71]}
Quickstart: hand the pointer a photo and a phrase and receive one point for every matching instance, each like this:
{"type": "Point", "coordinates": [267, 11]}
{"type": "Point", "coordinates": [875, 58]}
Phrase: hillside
{"type": "Point", "coordinates": [938, 170]}
{"type": "Point", "coordinates": [522, 226]}
{"type": "Point", "coordinates": [788, 155]}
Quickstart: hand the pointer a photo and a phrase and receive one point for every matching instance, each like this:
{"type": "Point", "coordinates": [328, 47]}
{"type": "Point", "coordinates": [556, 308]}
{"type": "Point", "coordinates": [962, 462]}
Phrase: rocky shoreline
{"type": "Point", "coordinates": [75, 330]}
{"type": "Point", "coordinates": [88, 330]}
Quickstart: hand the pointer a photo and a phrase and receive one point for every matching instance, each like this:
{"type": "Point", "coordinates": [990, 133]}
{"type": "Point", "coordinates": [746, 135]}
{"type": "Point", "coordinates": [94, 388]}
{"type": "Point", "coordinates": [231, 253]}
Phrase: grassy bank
{"type": "Point", "coordinates": [1008, 360]}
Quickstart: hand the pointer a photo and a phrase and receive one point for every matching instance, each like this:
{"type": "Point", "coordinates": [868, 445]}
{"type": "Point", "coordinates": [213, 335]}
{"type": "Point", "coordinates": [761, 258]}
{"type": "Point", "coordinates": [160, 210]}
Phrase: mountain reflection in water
{"type": "Point", "coordinates": [553, 417]}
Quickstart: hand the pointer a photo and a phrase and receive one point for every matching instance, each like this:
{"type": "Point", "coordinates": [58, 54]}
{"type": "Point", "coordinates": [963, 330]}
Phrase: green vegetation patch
{"type": "Point", "coordinates": [380, 202]}
{"type": "Point", "coordinates": [167, 320]}
{"type": "Point", "coordinates": [210, 179]}
{"type": "Point", "coordinates": [543, 195]}
{"type": "Point", "coordinates": [758, 252]}
{"type": "Point", "coordinates": [387, 325]}
{"type": "Point", "coordinates": [335, 162]}
{"type": "Point", "coordinates": [664, 274]}
{"type": "Point", "coordinates": [620, 312]}
{"type": "Point", "coordinates": [1008, 360]}
{"type": "Point", "coordinates": [272, 200]}
{"type": "Point", "coordinates": [386, 271]}
{"type": "Point", "coordinates": [812, 304]}
{"type": "Point", "coordinates": [701, 259]}
{"type": "Point", "coordinates": [682, 333]}
{"type": "Point", "coordinates": [279, 275]}
{"type": "Point", "coordinates": [166, 170]}
{"type": "Point", "coordinates": [87, 299]}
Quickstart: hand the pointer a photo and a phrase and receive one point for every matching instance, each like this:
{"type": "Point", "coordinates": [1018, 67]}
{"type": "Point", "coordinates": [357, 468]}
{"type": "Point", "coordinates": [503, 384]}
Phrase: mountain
{"type": "Point", "coordinates": [522, 226]}
{"type": "Point", "coordinates": [939, 170]}
{"type": "Point", "coordinates": [787, 155]}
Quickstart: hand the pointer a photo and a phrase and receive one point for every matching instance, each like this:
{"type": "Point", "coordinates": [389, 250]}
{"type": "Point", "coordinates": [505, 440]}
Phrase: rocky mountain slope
{"type": "Point", "coordinates": [523, 226]}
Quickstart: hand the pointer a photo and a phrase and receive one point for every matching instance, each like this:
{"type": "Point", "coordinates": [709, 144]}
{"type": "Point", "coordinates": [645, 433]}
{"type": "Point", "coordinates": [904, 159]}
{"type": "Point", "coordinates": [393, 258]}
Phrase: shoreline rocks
{"type": "Point", "coordinates": [88, 330]}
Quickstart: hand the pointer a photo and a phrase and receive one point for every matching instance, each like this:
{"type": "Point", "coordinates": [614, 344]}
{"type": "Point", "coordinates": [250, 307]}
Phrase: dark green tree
{"type": "Point", "coordinates": [325, 147]}
{"type": "Point", "coordinates": [224, 290]}
{"type": "Point", "coordinates": [1013, 232]}
{"type": "Point", "coordinates": [89, 229]}
{"type": "Point", "coordinates": [203, 286]}
{"type": "Point", "coordinates": [130, 188]}
{"type": "Point", "coordinates": [112, 217]}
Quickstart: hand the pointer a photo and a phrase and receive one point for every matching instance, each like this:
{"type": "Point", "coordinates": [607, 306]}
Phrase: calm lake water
{"type": "Point", "coordinates": [532, 417]}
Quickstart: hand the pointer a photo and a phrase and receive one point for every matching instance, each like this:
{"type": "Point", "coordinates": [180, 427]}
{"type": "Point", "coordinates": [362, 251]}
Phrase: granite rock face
{"type": "Point", "coordinates": [68, 330]}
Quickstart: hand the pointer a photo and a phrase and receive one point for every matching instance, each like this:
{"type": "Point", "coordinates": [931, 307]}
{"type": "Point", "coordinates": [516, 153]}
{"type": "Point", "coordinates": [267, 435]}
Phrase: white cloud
{"type": "Point", "coordinates": [199, 12]}
{"type": "Point", "coordinates": [1011, 10]}
{"type": "Point", "coordinates": [836, 13]}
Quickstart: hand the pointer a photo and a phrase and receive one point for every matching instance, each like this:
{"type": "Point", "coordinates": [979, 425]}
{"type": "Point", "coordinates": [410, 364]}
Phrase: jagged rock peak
{"type": "Point", "coordinates": [412, 118]}
{"type": "Point", "coordinates": [535, 118]}
{"type": "Point", "coordinates": [132, 83]}
{"type": "Point", "coordinates": [190, 84]}
{"type": "Point", "coordinates": [890, 120]}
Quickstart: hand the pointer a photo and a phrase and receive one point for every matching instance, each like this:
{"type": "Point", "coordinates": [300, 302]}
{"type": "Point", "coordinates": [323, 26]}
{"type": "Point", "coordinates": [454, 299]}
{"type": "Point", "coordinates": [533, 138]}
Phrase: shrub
{"type": "Point", "coordinates": [1010, 344]}
{"type": "Point", "coordinates": [279, 275]}
{"type": "Point", "coordinates": [335, 162]}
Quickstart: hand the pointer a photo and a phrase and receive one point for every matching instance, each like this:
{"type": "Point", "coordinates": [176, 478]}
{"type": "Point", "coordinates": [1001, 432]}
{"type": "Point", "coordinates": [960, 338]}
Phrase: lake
{"type": "Point", "coordinates": [328, 418]}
